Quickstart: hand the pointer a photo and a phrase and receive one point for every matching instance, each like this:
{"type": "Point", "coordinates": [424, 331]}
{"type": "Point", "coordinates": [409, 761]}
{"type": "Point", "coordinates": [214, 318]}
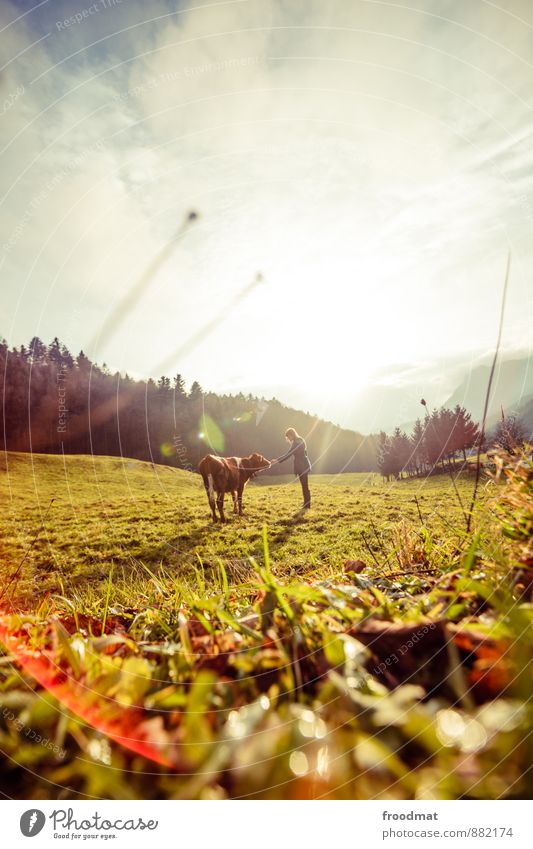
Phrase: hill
{"type": "Point", "coordinates": [57, 403]}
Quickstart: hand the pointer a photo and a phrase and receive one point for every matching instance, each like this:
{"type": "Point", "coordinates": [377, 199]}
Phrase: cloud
{"type": "Point", "coordinates": [373, 161]}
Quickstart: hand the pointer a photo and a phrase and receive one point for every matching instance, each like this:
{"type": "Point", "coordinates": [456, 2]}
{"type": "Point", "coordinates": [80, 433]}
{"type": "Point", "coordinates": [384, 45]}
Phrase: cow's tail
{"type": "Point", "coordinates": [210, 488]}
{"type": "Point", "coordinates": [209, 485]}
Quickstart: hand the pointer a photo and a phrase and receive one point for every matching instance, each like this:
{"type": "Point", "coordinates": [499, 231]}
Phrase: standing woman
{"type": "Point", "coordinates": [302, 466]}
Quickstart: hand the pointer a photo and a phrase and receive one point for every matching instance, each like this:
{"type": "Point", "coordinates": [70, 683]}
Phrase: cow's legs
{"type": "Point", "coordinates": [234, 496]}
{"type": "Point", "coordinates": [220, 505]}
{"type": "Point", "coordinates": [239, 499]}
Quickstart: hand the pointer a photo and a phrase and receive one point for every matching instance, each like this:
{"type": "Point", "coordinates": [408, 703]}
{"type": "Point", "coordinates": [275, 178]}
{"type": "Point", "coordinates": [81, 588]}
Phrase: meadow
{"type": "Point", "coordinates": [94, 514]}
{"type": "Point", "coordinates": [368, 648]}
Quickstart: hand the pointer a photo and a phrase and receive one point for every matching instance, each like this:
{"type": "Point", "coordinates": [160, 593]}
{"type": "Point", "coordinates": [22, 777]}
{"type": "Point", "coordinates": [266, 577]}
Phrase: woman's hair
{"type": "Point", "coordinates": [292, 434]}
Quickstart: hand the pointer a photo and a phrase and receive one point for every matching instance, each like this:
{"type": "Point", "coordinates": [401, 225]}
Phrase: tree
{"type": "Point", "coordinates": [55, 355]}
{"type": "Point", "coordinates": [433, 438]}
{"type": "Point", "coordinates": [465, 431]}
{"type": "Point", "coordinates": [418, 449]}
{"type": "Point", "coordinates": [196, 391]}
{"type": "Point", "coordinates": [385, 456]}
{"type": "Point", "coordinates": [37, 351]}
{"type": "Point", "coordinates": [179, 387]}
{"type": "Point", "coordinates": [394, 454]}
{"type": "Point", "coordinates": [67, 360]}
{"type": "Point", "coordinates": [83, 362]}
{"type": "Point", "coordinates": [509, 434]}
{"type": "Point", "coordinates": [401, 452]}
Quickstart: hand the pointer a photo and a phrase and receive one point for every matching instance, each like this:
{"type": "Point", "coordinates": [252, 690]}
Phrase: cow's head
{"type": "Point", "coordinates": [255, 463]}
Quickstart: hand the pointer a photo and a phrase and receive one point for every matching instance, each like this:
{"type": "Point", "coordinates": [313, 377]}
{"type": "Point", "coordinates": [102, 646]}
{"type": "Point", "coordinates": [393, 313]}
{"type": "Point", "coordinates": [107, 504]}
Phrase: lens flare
{"type": "Point", "coordinates": [130, 727]}
{"type": "Point", "coordinates": [211, 434]}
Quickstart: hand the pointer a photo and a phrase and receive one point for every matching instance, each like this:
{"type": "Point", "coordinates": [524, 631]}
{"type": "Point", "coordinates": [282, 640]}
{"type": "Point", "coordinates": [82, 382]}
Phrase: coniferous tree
{"type": "Point", "coordinates": [37, 351]}
{"type": "Point", "coordinates": [384, 456]}
{"type": "Point", "coordinates": [418, 448]}
{"type": "Point", "coordinates": [466, 432]}
{"type": "Point", "coordinates": [179, 387]}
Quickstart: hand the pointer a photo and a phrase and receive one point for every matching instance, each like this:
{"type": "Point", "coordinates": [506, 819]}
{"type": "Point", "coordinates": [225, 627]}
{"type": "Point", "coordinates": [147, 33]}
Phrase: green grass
{"type": "Point", "coordinates": [129, 514]}
{"type": "Point", "coordinates": [245, 656]}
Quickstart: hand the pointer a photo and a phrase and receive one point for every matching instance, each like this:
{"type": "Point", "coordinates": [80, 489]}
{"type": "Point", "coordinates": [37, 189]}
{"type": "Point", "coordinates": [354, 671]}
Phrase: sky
{"type": "Point", "coordinates": [372, 160]}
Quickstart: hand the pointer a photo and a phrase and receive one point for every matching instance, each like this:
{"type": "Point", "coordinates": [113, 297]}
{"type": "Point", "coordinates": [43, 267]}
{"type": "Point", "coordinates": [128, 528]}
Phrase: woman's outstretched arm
{"type": "Point", "coordinates": [288, 453]}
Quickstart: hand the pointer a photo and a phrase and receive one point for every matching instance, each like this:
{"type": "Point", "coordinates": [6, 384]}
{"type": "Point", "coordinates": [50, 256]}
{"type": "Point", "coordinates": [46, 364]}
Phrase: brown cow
{"type": "Point", "coordinates": [228, 474]}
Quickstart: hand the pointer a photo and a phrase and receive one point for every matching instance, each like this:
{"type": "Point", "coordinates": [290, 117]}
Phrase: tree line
{"type": "Point", "coordinates": [55, 402]}
{"type": "Point", "coordinates": [433, 444]}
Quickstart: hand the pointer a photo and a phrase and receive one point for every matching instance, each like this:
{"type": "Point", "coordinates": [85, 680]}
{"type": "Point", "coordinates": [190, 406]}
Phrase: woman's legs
{"type": "Point", "coordinates": [304, 480]}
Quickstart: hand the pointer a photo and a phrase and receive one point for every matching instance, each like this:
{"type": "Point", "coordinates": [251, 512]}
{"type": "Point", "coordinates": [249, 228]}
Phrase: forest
{"type": "Point", "coordinates": [55, 402]}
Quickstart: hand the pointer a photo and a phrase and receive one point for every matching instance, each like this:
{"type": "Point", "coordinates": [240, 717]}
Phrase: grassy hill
{"type": "Point", "coordinates": [125, 514]}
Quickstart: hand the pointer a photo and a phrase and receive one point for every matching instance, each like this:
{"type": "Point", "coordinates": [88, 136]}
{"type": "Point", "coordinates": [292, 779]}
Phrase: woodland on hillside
{"type": "Point", "coordinates": [54, 402]}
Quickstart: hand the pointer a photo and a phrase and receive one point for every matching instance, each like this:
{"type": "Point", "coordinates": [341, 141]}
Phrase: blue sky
{"type": "Point", "coordinates": [372, 159]}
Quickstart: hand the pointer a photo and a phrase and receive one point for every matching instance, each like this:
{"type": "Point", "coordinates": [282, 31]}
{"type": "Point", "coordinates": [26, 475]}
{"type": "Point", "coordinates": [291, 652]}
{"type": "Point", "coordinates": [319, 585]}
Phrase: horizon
{"type": "Point", "coordinates": [326, 411]}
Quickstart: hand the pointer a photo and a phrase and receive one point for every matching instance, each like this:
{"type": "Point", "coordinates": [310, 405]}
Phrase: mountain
{"type": "Point", "coordinates": [378, 407]}
{"type": "Point", "coordinates": [525, 413]}
{"type": "Point", "coordinates": [511, 388]}
{"type": "Point", "coordinates": [370, 409]}
{"type": "Point", "coordinates": [384, 405]}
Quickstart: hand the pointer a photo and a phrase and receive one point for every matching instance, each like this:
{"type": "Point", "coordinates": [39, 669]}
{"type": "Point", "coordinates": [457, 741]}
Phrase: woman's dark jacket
{"type": "Point", "coordinates": [298, 450]}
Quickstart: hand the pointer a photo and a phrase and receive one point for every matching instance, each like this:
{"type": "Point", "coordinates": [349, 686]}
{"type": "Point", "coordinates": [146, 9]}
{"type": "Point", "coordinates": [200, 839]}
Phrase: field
{"type": "Point", "coordinates": [367, 648]}
{"type": "Point", "coordinates": [124, 514]}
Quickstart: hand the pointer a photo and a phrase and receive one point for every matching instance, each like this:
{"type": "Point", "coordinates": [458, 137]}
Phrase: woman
{"type": "Point", "coordinates": [302, 466]}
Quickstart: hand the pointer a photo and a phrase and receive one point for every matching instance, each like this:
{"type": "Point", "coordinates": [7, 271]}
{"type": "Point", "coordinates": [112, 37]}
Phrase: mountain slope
{"type": "Point", "coordinates": [512, 385]}
{"type": "Point", "coordinates": [525, 413]}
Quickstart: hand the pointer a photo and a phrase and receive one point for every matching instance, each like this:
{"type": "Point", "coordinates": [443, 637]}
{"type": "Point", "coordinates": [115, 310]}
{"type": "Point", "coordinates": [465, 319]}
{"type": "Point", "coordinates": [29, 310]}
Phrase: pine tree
{"type": "Point", "coordinates": [84, 364]}
{"type": "Point", "coordinates": [466, 432]}
{"type": "Point", "coordinates": [67, 360]}
{"type": "Point", "coordinates": [418, 447]}
{"type": "Point", "coordinates": [55, 356]}
{"type": "Point", "coordinates": [179, 387]}
{"type": "Point", "coordinates": [384, 455]}
{"type": "Point", "coordinates": [401, 452]}
{"type": "Point", "coordinates": [196, 391]}
{"type": "Point", "coordinates": [37, 351]}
